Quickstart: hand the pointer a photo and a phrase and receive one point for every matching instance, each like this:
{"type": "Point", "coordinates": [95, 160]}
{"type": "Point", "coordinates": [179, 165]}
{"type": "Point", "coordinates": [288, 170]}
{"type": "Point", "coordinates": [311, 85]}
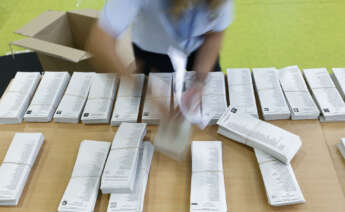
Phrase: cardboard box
{"type": "Point", "coordinates": [59, 39]}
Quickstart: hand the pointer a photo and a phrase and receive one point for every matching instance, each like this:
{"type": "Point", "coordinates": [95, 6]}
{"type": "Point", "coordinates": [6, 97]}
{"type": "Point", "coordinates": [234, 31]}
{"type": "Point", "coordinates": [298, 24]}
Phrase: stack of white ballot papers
{"type": "Point", "coordinates": [73, 102]}
{"type": "Point", "coordinates": [341, 147]}
{"type": "Point", "coordinates": [82, 189]}
{"type": "Point", "coordinates": [253, 132]}
{"type": "Point", "coordinates": [241, 90]}
{"type": "Point", "coordinates": [47, 97]}
{"type": "Point", "coordinates": [207, 188]}
{"type": "Point", "coordinates": [280, 181]}
{"type": "Point", "coordinates": [15, 168]}
{"type": "Point", "coordinates": [271, 97]}
{"type": "Point", "coordinates": [159, 90]}
{"type": "Point", "coordinates": [327, 97]}
{"type": "Point", "coordinates": [127, 104]}
{"type": "Point", "coordinates": [339, 80]}
{"type": "Point", "coordinates": [301, 103]}
{"type": "Point", "coordinates": [214, 97]}
{"type": "Point", "coordinates": [121, 167]}
{"type": "Point", "coordinates": [100, 101]}
{"type": "Point", "coordinates": [134, 201]}
{"type": "Point", "coordinates": [16, 99]}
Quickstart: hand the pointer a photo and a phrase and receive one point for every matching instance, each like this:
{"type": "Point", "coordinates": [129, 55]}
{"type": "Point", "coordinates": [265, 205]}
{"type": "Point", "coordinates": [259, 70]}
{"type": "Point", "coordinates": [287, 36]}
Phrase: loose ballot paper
{"type": "Point", "coordinates": [300, 101]}
{"type": "Point", "coordinates": [73, 102]}
{"type": "Point", "coordinates": [327, 97]}
{"type": "Point", "coordinates": [271, 97]}
{"type": "Point", "coordinates": [341, 147]}
{"type": "Point", "coordinates": [241, 90]}
{"type": "Point", "coordinates": [121, 167]}
{"type": "Point", "coordinates": [16, 99]}
{"type": "Point", "coordinates": [127, 104]}
{"type": "Point", "coordinates": [82, 189]}
{"type": "Point", "coordinates": [280, 181]}
{"type": "Point", "coordinates": [339, 80]}
{"type": "Point", "coordinates": [262, 135]}
{"type": "Point", "coordinates": [99, 104]}
{"type": "Point", "coordinates": [207, 186]}
{"type": "Point", "coordinates": [134, 201]}
{"type": "Point", "coordinates": [47, 97]}
{"type": "Point", "coordinates": [15, 168]}
{"type": "Point", "coordinates": [159, 90]}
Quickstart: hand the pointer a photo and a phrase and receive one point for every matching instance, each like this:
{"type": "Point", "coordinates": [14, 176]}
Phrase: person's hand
{"type": "Point", "coordinates": [192, 97]}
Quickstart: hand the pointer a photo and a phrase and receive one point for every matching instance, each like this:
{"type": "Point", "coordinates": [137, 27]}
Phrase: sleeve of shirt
{"type": "Point", "coordinates": [117, 15]}
{"type": "Point", "coordinates": [225, 16]}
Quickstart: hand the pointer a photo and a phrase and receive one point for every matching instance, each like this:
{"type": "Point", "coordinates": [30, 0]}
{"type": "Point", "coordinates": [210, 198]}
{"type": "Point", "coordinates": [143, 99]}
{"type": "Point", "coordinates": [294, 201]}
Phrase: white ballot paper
{"type": "Point", "coordinates": [262, 135]}
{"type": "Point", "coordinates": [47, 97]}
{"type": "Point", "coordinates": [300, 101]}
{"type": "Point", "coordinates": [134, 201]}
{"type": "Point", "coordinates": [127, 104]}
{"type": "Point", "coordinates": [100, 101]}
{"type": "Point", "coordinates": [15, 168]}
{"type": "Point", "coordinates": [159, 90]}
{"type": "Point", "coordinates": [121, 167]}
{"type": "Point", "coordinates": [241, 91]}
{"type": "Point", "coordinates": [341, 147]}
{"type": "Point", "coordinates": [327, 97]}
{"type": "Point", "coordinates": [82, 189]}
{"type": "Point", "coordinates": [16, 99]}
{"type": "Point", "coordinates": [207, 188]}
{"type": "Point", "coordinates": [74, 99]}
{"type": "Point", "coordinates": [271, 97]}
{"type": "Point", "coordinates": [339, 80]}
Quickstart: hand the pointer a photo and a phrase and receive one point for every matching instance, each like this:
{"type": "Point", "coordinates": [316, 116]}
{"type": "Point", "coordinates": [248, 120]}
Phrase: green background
{"type": "Point", "coordinates": [309, 33]}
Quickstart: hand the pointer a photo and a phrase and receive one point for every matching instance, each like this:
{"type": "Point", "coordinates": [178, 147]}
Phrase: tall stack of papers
{"type": "Point", "coordinates": [100, 101]}
{"type": "Point", "coordinates": [301, 103]}
{"type": "Point", "coordinates": [241, 91]}
{"type": "Point", "coordinates": [280, 181]}
{"type": "Point", "coordinates": [73, 102]}
{"type": "Point", "coordinates": [15, 101]}
{"type": "Point", "coordinates": [16, 167]}
{"type": "Point", "coordinates": [127, 104]}
{"type": "Point", "coordinates": [47, 97]}
{"type": "Point", "coordinates": [82, 189]}
{"type": "Point", "coordinates": [339, 80]}
{"type": "Point", "coordinates": [134, 201]}
{"type": "Point", "coordinates": [214, 97]}
{"type": "Point", "coordinates": [159, 90]}
{"type": "Point", "coordinates": [271, 97]}
{"type": "Point", "coordinates": [208, 188]}
{"type": "Point", "coordinates": [253, 132]}
{"type": "Point", "coordinates": [121, 167]}
{"type": "Point", "coordinates": [327, 97]}
{"type": "Point", "coordinates": [341, 147]}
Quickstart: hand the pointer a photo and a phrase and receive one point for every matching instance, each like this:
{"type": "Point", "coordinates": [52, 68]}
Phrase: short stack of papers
{"type": "Point", "coordinates": [100, 101]}
{"type": "Point", "coordinates": [15, 168]}
{"type": "Point", "coordinates": [134, 201]}
{"type": "Point", "coordinates": [271, 97]}
{"type": "Point", "coordinates": [280, 181]}
{"type": "Point", "coordinates": [207, 188]}
{"type": "Point", "coordinates": [341, 147]}
{"type": "Point", "coordinates": [121, 167]}
{"type": "Point", "coordinates": [127, 104]}
{"type": "Point", "coordinates": [159, 90]}
{"type": "Point", "coordinates": [301, 103]}
{"type": "Point", "coordinates": [253, 132]}
{"type": "Point", "coordinates": [16, 99]}
{"type": "Point", "coordinates": [339, 80]}
{"type": "Point", "coordinates": [82, 189]}
{"type": "Point", "coordinates": [73, 102]}
{"type": "Point", "coordinates": [325, 93]}
{"type": "Point", "coordinates": [47, 97]}
{"type": "Point", "coordinates": [241, 91]}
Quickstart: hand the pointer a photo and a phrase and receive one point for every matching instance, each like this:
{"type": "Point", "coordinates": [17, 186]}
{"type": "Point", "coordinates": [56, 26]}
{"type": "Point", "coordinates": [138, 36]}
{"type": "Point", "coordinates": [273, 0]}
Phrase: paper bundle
{"type": "Point", "coordinates": [134, 201]}
{"type": "Point", "coordinates": [339, 80]}
{"type": "Point", "coordinates": [301, 103]}
{"type": "Point", "coordinates": [47, 97]}
{"type": "Point", "coordinates": [121, 167]}
{"type": "Point", "coordinates": [127, 104]}
{"type": "Point", "coordinates": [341, 147]}
{"type": "Point", "coordinates": [100, 101]}
{"type": "Point", "coordinates": [82, 189]}
{"type": "Point", "coordinates": [73, 102]}
{"type": "Point", "coordinates": [15, 168]}
{"type": "Point", "coordinates": [16, 99]}
{"type": "Point", "coordinates": [207, 188]}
